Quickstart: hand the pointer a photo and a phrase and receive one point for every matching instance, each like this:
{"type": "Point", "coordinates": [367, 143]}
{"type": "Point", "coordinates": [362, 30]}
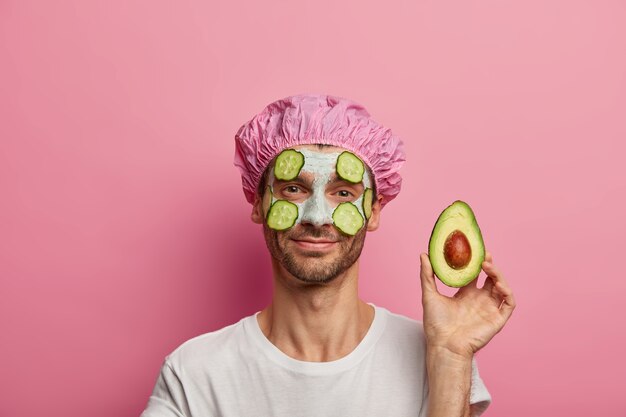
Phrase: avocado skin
{"type": "Point", "coordinates": [458, 215]}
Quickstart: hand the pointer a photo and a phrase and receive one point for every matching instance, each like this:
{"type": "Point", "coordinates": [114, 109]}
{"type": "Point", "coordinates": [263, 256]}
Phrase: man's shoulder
{"type": "Point", "coordinates": [215, 346]}
{"type": "Point", "coordinates": [403, 327]}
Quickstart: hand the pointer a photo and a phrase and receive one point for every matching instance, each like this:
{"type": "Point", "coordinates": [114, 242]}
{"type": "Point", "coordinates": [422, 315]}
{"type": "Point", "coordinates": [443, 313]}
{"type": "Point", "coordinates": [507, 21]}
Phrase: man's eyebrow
{"type": "Point", "coordinates": [336, 179]}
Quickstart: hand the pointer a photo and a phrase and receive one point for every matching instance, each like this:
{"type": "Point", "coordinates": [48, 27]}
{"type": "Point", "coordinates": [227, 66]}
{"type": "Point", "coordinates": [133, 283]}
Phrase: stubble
{"type": "Point", "coordinates": [314, 267]}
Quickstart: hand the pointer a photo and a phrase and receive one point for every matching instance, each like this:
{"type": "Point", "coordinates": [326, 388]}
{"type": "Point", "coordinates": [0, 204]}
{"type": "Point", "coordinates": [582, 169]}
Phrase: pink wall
{"type": "Point", "coordinates": [124, 230]}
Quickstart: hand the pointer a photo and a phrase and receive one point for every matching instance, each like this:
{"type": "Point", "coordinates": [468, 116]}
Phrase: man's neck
{"type": "Point", "coordinates": [316, 323]}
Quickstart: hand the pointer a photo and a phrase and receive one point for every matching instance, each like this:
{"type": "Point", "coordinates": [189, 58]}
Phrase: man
{"type": "Point", "coordinates": [318, 170]}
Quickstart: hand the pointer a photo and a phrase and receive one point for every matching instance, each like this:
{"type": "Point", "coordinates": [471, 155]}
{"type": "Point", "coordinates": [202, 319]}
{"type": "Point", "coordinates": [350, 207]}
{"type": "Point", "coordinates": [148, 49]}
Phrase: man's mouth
{"type": "Point", "coordinates": [315, 244]}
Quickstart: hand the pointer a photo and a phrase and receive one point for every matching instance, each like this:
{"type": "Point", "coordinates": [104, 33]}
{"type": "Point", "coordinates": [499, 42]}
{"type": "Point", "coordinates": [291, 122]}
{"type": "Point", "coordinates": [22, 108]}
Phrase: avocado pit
{"type": "Point", "coordinates": [457, 250]}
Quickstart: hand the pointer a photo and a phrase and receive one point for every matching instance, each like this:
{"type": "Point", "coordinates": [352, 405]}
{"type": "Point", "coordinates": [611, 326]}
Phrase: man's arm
{"type": "Point", "coordinates": [455, 329]}
{"type": "Point", "coordinates": [449, 379]}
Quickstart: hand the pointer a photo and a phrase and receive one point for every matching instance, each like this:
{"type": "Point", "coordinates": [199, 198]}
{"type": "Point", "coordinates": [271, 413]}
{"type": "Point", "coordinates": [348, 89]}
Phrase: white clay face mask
{"type": "Point", "coordinates": [348, 216]}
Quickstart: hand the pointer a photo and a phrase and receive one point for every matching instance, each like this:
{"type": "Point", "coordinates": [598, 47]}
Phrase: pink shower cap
{"type": "Point", "coordinates": [314, 118]}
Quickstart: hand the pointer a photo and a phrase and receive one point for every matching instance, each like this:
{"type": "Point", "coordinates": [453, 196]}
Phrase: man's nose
{"type": "Point", "coordinates": [317, 211]}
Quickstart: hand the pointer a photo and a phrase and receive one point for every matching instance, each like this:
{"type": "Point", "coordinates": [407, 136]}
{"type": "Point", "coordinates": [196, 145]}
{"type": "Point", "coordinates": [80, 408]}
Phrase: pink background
{"type": "Point", "coordinates": [124, 230]}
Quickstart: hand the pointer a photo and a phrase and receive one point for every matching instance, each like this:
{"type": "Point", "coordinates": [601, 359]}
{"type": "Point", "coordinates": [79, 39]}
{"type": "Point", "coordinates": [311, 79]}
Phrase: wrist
{"type": "Point", "coordinates": [445, 354]}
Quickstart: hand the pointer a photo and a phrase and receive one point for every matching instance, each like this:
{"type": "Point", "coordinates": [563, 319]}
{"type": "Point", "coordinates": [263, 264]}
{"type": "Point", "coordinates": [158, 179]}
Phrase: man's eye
{"type": "Point", "coordinates": [292, 189]}
{"type": "Point", "coordinates": [344, 193]}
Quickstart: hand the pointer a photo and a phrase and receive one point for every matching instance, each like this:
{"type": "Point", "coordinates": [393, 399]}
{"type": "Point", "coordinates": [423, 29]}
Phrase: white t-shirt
{"type": "Point", "coordinates": [237, 372]}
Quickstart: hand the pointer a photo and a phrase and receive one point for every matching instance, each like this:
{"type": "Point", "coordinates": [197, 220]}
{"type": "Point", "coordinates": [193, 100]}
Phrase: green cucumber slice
{"type": "Point", "coordinates": [282, 215]}
{"type": "Point", "coordinates": [368, 195]}
{"type": "Point", "coordinates": [288, 164]}
{"type": "Point", "coordinates": [267, 200]}
{"type": "Point", "coordinates": [347, 218]}
{"type": "Point", "coordinates": [350, 167]}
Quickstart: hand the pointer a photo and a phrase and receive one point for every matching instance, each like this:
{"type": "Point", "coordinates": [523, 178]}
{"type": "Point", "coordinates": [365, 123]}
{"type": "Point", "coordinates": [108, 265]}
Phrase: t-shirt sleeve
{"type": "Point", "coordinates": [168, 396]}
{"type": "Point", "coordinates": [479, 396]}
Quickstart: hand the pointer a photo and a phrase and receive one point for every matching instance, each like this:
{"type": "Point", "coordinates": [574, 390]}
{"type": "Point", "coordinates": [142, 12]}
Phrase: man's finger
{"type": "Point", "coordinates": [427, 277]}
{"type": "Point", "coordinates": [488, 257]}
{"type": "Point", "coordinates": [502, 287]}
{"type": "Point", "coordinates": [508, 300]}
{"type": "Point", "coordinates": [491, 270]}
{"type": "Point", "coordinates": [488, 285]}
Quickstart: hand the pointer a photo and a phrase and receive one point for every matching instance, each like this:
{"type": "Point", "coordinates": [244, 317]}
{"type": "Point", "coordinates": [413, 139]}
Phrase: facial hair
{"type": "Point", "coordinates": [311, 266]}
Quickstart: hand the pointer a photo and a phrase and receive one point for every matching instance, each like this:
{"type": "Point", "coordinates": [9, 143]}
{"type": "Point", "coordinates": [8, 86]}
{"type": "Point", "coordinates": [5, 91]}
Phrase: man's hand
{"type": "Point", "coordinates": [466, 322]}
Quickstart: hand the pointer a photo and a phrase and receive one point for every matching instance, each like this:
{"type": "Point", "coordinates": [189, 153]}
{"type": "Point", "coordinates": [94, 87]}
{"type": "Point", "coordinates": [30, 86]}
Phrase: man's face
{"type": "Point", "coordinates": [314, 250]}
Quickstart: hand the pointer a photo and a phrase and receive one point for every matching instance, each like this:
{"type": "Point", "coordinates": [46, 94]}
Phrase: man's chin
{"type": "Point", "coordinates": [312, 254]}
{"type": "Point", "coordinates": [312, 267]}
{"type": "Point", "coordinates": [316, 280]}
{"type": "Point", "coordinates": [320, 274]}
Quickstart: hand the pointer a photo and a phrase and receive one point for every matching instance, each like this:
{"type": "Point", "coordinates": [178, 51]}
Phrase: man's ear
{"type": "Point", "coordinates": [257, 210]}
{"type": "Point", "coordinates": [374, 220]}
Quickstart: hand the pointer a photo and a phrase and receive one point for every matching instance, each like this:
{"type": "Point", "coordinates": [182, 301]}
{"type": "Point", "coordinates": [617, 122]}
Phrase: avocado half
{"type": "Point", "coordinates": [456, 248]}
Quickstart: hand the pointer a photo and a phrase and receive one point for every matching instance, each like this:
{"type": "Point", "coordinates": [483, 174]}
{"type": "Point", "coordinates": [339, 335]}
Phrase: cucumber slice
{"type": "Point", "coordinates": [288, 164]}
{"type": "Point", "coordinates": [368, 194]}
{"type": "Point", "coordinates": [282, 215]}
{"type": "Point", "coordinates": [267, 200]}
{"type": "Point", "coordinates": [347, 218]}
{"type": "Point", "coordinates": [350, 167]}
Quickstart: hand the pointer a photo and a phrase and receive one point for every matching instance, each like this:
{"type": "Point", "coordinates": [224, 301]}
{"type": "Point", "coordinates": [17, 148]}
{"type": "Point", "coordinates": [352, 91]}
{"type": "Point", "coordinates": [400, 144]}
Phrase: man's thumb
{"type": "Point", "coordinates": [427, 277]}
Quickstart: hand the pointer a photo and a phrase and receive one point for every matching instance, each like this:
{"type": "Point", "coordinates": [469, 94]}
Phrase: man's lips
{"type": "Point", "coordinates": [317, 244]}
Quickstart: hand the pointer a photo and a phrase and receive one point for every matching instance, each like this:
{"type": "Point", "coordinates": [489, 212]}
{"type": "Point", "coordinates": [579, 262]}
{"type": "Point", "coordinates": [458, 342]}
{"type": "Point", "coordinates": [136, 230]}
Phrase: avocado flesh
{"type": "Point", "coordinates": [457, 216]}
